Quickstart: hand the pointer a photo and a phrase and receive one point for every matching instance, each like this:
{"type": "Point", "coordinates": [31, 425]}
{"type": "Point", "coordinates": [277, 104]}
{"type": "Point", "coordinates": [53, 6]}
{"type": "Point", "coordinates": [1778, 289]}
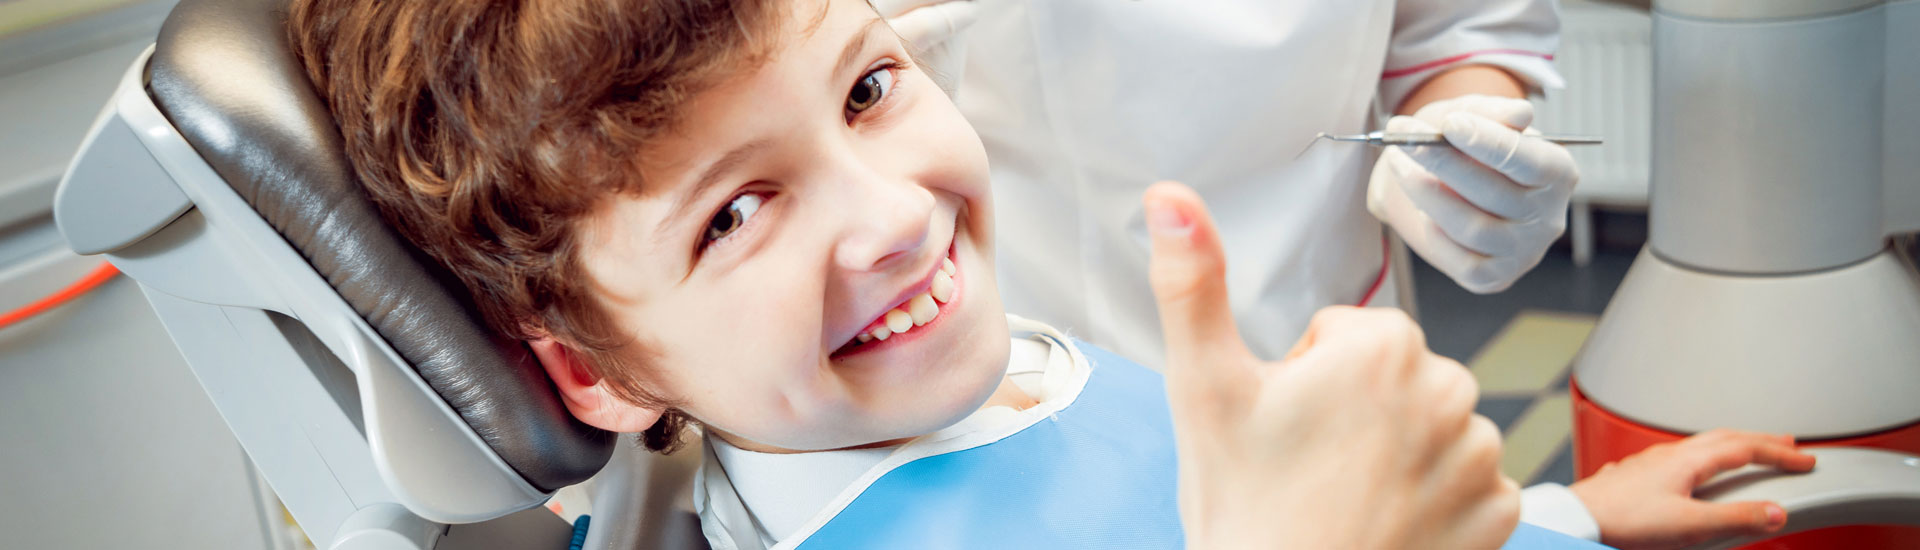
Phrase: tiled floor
{"type": "Point", "coordinates": [1519, 344]}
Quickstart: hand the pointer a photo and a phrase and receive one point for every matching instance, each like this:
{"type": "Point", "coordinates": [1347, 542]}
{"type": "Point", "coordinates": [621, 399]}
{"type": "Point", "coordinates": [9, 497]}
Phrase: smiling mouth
{"type": "Point", "coordinates": [912, 317]}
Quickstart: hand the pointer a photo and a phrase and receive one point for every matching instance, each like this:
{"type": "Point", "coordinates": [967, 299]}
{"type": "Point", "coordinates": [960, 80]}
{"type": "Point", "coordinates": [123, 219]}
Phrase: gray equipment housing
{"type": "Point", "coordinates": [354, 370]}
{"type": "Point", "coordinates": [1786, 144]}
{"type": "Point", "coordinates": [1786, 151]}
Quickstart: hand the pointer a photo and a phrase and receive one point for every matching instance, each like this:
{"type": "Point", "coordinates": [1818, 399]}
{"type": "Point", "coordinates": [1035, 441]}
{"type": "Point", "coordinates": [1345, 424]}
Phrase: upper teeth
{"type": "Point", "coordinates": [919, 310]}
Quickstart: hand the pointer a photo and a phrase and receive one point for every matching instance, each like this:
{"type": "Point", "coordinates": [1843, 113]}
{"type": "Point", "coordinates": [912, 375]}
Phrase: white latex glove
{"type": "Point", "coordinates": [1485, 210]}
{"type": "Point", "coordinates": [931, 29]}
{"type": "Point", "coordinates": [1359, 438]}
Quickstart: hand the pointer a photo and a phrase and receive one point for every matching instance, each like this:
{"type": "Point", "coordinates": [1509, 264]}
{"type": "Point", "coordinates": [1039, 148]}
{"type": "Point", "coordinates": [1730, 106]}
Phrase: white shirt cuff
{"type": "Point", "coordinates": [1554, 506]}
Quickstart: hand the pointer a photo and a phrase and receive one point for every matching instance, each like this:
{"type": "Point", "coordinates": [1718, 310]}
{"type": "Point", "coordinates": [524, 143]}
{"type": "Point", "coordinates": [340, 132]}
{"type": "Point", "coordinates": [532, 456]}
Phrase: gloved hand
{"type": "Point", "coordinates": [1359, 438]}
{"type": "Point", "coordinates": [1485, 210]}
{"type": "Point", "coordinates": [931, 27]}
{"type": "Point", "coordinates": [1646, 500]}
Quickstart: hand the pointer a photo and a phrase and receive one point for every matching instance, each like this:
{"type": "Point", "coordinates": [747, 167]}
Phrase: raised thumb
{"type": "Point", "coordinates": [1188, 270]}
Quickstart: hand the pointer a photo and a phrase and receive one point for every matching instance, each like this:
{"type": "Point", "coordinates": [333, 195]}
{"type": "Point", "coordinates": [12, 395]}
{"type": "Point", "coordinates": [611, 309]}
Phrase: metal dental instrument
{"type": "Point", "coordinates": [1382, 139]}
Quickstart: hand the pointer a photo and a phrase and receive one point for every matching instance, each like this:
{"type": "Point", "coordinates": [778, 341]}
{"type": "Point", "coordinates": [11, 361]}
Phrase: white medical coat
{"type": "Point", "coordinates": [1084, 103]}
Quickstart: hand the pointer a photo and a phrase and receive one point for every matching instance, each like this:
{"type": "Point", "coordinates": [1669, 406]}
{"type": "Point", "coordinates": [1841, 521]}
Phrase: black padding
{"type": "Point", "coordinates": [224, 74]}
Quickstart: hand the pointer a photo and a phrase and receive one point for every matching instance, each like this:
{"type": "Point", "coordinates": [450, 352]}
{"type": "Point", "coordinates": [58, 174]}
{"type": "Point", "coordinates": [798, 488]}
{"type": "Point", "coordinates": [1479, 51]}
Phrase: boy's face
{"type": "Point", "coordinates": [793, 207]}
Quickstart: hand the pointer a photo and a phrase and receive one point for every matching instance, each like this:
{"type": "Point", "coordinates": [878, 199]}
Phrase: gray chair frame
{"type": "Point", "coordinates": [361, 450]}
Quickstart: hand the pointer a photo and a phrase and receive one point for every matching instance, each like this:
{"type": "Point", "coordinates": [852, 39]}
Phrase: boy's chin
{"type": "Point", "coordinates": [967, 386]}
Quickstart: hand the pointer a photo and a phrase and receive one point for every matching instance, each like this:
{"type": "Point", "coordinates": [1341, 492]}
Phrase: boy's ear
{"type": "Point", "coordinates": [586, 395]}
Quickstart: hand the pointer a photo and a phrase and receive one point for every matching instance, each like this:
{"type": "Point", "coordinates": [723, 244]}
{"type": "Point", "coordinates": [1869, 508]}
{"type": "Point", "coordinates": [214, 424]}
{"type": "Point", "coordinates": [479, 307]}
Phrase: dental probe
{"type": "Point", "coordinates": [1380, 139]}
{"type": "Point", "coordinates": [1383, 139]}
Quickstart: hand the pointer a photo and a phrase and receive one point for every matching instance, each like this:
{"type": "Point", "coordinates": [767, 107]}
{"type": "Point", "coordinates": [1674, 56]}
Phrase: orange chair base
{"type": "Point", "coordinates": [1601, 437]}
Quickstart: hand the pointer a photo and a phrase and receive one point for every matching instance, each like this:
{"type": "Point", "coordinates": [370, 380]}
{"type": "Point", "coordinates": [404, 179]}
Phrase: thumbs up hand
{"type": "Point", "coordinates": [1358, 438]}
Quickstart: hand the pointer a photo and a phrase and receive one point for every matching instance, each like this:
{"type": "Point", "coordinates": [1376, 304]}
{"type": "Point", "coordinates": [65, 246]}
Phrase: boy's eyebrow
{"type": "Point", "coordinates": [859, 42]}
{"type": "Point", "coordinates": [709, 177]}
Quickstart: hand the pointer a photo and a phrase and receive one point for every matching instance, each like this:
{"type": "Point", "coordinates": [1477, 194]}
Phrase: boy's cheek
{"type": "Point", "coordinates": [967, 176]}
{"type": "Point", "coordinates": [952, 142]}
{"type": "Point", "coordinates": [730, 342]}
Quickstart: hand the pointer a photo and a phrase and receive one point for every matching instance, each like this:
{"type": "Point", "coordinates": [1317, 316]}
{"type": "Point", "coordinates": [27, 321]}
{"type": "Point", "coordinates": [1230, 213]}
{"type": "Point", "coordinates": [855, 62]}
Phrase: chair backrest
{"type": "Point", "coordinates": [222, 72]}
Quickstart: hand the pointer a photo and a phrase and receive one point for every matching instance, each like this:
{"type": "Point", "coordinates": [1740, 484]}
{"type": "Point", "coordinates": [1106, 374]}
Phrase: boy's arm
{"type": "Point", "coordinates": [1646, 500]}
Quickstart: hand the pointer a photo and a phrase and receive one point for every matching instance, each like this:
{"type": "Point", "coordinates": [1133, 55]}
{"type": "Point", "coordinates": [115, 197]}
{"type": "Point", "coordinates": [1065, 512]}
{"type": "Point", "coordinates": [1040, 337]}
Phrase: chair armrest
{"type": "Point", "coordinates": [1848, 486]}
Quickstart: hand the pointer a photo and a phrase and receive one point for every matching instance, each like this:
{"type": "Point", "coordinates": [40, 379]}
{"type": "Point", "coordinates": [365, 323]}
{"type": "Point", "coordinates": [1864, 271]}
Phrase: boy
{"type": "Point", "coordinates": [762, 219]}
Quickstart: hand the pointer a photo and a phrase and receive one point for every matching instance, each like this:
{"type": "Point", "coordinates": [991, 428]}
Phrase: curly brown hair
{"type": "Point", "coordinates": [486, 130]}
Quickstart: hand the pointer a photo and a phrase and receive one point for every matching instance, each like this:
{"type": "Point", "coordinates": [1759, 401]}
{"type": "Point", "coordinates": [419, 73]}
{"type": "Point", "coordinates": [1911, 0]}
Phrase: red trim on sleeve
{"type": "Point", "coordinates": [1397, 73]}
{"type": "Point", "coordinates": [1386, 257]}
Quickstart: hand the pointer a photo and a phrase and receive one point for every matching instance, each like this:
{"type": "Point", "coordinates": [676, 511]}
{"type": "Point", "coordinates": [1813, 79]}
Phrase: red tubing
{"type": "Point", "coordinates": [93, 279]}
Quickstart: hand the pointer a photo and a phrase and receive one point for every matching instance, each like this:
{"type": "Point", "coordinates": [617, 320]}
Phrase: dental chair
{"type": "Point", "coordinates": [353, 369]}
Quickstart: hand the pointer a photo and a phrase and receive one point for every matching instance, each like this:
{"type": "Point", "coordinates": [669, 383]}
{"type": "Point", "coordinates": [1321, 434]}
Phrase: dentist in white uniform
{"type": "Point", "coordinates": [1084, 103]}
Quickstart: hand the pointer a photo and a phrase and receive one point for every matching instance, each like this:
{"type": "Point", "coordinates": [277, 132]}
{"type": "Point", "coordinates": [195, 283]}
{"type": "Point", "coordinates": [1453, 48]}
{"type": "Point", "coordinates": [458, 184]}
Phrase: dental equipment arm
{"type": "Point", "coordinates": [1849, 486]}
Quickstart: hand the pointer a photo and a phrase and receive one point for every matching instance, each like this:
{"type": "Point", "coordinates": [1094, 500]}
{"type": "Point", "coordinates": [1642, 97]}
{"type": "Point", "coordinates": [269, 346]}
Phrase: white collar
{"type": "Point", "coordinates": [755, 500]}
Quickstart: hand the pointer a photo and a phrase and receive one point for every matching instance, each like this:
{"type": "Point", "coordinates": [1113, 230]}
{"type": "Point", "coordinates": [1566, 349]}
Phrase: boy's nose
{"type": "Point", "coordinates": [887, 224]}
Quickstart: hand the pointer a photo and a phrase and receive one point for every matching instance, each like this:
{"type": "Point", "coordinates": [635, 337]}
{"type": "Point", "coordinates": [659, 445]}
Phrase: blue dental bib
{"type": "Point", "coordinates": [1100, 474]}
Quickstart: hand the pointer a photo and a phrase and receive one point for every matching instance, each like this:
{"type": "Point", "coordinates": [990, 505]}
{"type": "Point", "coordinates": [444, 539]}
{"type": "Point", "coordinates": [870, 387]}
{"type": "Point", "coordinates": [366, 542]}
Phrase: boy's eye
{"type": "Point", "coordinates": [870, 89]}
{"type": "Point", "coordinates": [732, 217]}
